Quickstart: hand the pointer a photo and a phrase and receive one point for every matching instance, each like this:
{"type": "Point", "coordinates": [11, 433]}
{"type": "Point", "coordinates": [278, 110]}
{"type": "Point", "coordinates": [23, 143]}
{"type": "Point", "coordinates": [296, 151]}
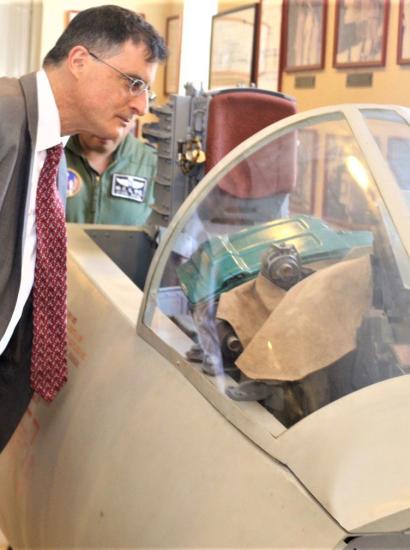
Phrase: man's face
{"type": "Point", "coordinates": [103, 97]}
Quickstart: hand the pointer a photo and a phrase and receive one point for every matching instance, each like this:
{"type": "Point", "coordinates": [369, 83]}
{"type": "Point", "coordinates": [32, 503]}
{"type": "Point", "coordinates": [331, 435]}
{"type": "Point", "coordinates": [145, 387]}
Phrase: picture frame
{"type": "Point", "coordinates": [69, 16]}
{"type": "Point", "coordinates": [403, 46]}
{"type": "Point", "coordinates": [172, 65]}
{"type": "Point", "coordinates": [233, 57]}
{"type": "Point", "coordinates": [344, 201]}
{"type": "Point", "coordinates": [304, 39]}
{"type": "Point", "coordinates": [360, 33]}
{"type": "Point", "coordinates": [302, 198]}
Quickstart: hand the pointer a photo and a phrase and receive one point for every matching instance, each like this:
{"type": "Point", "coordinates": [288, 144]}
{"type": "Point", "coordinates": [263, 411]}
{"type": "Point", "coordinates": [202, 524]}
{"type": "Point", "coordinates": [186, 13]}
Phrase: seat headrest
{"type": "Point", "coordinates": [234, 117]}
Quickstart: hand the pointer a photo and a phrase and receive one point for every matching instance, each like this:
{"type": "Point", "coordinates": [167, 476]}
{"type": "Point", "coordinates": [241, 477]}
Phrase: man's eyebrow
{"type": "Point", "coordinates": [135, 76]}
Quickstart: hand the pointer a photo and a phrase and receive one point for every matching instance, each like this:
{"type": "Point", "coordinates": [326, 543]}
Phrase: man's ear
{"type": "Point", "coordinates": [77, 60]}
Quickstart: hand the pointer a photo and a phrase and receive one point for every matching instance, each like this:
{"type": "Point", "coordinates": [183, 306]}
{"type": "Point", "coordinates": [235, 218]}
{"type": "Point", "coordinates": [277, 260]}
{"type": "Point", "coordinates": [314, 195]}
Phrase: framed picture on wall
{"type": "Point", "coordinates": [304, 25]}
{"type": "Point", "coordinates": [233, 47]}
{"type": "Point", "coordinates": [173, 41]}
{"type": "Point", "coordinates": [360, 33]}
{"type": "Point", "coordinates": [303, 195]}
{"type": "Point", "coordinates": [403, 50]}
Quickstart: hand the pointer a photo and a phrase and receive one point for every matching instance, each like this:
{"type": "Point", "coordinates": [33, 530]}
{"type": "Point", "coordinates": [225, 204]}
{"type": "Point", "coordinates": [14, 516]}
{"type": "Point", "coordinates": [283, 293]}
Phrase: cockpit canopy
{"type": "Point", "coordinates": [286, 276]}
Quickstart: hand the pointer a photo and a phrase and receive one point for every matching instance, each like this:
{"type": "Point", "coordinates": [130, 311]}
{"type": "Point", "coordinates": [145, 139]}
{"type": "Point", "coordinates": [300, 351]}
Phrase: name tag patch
{"type": "Point", "coordinates": [132, 188]}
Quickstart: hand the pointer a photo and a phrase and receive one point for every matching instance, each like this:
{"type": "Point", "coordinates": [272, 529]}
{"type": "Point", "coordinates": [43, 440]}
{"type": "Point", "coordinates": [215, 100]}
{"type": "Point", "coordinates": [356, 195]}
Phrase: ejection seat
{"type": "Point", "coordinates": [250, 193]}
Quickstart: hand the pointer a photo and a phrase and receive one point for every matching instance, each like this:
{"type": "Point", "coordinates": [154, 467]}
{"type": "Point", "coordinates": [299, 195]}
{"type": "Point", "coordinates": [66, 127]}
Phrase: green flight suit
{"type": "Point", "coordinates": [121, 195]}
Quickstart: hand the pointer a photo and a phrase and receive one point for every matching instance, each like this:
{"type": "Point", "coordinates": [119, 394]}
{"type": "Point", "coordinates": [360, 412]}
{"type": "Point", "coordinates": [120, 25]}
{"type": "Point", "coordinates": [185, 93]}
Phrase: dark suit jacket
{"type": "Point", "coordinates": [18, 131]}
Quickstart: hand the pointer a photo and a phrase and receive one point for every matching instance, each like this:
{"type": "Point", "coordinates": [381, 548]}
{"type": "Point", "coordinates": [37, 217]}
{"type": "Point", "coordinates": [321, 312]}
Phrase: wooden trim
{"type": "Point", "coordinates": [69, 16]}
{"type": "Point", "coordinates": [256, 44]}
{"type": "Point", "coordinates": [168, 89]}
{"type": "Point", "coordinates": [283, 40]}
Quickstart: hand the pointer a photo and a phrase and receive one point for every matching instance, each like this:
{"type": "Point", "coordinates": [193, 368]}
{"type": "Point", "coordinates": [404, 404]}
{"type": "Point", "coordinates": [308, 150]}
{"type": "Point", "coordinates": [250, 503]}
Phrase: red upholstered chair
{"type": "Point", "coordinates": [242, 196]}
{"type": "Point", "coordinates": [236, 114]}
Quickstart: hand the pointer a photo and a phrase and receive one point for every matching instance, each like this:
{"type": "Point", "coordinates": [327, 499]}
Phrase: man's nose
{"type": "Point", "coordinates": [139, 104]}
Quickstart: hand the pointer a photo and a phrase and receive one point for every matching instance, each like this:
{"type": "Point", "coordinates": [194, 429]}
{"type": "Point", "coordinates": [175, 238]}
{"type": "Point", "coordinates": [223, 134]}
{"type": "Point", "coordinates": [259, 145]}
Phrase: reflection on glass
{"type": "Point", "coordinates": [358, 171]}
{"type": "Point", "coordinates": [286, 283]}
{"type": "Point", "coordinates": [392, 134]}
{"type": "Point", "coordinates": [398, 153]}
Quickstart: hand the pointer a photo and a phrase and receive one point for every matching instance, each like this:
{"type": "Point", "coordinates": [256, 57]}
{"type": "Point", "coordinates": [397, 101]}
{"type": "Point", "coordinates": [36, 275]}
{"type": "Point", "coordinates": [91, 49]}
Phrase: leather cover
{"type": "Point", "coordinates": [235, 116]}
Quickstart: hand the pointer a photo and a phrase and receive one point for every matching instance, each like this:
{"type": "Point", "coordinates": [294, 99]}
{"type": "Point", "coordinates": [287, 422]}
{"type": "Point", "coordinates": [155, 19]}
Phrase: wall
{"type": "Point", "coordinates": [391, 84]}
{"type": "Point", "coordinates": [225, 5]}
{"type": "Point", "coordinates": [196, 39]}
{"type": "Point", "coordinates": [20, 24]}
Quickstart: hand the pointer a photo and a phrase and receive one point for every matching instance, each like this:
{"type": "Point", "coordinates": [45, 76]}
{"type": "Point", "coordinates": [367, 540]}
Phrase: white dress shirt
{"type": "Point", "coordinates": [48, 135]}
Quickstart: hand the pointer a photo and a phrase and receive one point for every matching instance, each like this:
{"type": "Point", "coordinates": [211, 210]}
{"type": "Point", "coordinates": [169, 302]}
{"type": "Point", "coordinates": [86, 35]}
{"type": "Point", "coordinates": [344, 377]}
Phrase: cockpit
{"type": "Point", "coordinates": [285, 278]}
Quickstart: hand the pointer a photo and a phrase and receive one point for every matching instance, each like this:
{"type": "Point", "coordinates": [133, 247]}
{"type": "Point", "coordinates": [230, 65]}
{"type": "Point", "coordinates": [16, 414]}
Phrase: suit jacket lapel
{"type": "Point", "coordinates": [29, 85]}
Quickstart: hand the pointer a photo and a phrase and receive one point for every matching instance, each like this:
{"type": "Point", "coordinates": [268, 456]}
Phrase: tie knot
{"type": "Point", "coordinates": [55, 152]}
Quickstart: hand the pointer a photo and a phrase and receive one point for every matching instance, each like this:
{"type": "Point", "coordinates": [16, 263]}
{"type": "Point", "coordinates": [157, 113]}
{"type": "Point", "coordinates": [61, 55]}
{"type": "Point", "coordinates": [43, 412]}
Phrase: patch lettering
{"type": "Point", "coordinates": [129, 187]}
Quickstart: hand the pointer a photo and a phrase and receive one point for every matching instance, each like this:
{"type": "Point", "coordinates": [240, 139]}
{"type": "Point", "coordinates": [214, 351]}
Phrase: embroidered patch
{"type": "Point", "coordinates": [129, 187]}
{"type": "Point", "coordinates": [74, 183]}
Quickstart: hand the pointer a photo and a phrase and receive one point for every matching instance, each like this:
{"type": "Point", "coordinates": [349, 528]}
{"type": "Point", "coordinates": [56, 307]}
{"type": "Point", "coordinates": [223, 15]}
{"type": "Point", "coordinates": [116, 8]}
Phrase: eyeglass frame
{"type": "Point", "coordinates": [131, 81]}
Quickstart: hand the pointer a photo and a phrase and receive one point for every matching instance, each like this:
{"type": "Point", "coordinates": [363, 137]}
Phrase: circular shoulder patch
{"type": "Point", "coordinates": [74, 183]}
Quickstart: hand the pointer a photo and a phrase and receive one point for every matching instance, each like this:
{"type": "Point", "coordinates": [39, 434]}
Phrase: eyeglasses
{"type": "Point", "coordinates": [136, 86]}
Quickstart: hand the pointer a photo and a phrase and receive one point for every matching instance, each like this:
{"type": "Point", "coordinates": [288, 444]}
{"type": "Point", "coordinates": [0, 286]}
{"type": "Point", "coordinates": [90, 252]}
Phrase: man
{"type": "Point", "coordinates": [95, 79]}
{"type": "Point", "coordinates": [110, 181]}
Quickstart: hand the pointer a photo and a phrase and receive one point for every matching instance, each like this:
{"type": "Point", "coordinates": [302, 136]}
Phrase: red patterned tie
{"type": "Point", "coordinates": [49, 351]}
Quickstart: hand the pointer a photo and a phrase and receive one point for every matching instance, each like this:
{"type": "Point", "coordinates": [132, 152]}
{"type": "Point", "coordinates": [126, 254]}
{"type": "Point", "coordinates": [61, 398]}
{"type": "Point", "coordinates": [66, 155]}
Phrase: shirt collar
{"type": "Point", "coordinates": [49, 127]}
